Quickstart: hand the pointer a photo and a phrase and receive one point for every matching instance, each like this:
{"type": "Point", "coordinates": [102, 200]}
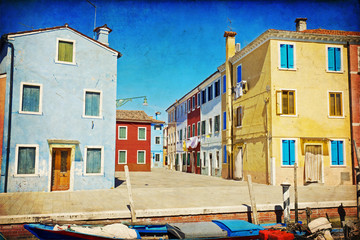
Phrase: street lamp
{"type": "Point", "coordinates": [120, 102]}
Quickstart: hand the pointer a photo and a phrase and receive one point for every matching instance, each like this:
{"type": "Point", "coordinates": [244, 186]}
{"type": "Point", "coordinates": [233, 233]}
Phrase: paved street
{"type": "Point", "coordinates": [162, 193]}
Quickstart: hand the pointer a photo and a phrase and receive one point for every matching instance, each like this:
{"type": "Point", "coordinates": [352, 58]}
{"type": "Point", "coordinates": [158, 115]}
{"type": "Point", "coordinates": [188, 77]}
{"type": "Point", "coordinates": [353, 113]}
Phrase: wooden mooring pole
{"type": "Point", "coordinates": [252, 200]}
{"type": "Point", "coordinates": [128, 185]}
{"type": "Point", "coordinates": [296, 194]}
{"type": "Point", "coordinates": [357, 179]}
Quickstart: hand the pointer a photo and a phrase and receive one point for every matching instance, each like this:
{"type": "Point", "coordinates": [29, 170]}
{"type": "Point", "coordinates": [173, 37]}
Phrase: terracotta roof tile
{"type": "Point", "coordinates": [332, 32]}
{"type": "Point", "coordinates": [135, 116]}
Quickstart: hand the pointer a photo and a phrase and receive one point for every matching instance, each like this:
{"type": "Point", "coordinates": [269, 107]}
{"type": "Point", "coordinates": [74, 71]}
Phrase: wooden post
{"type": "Point", "coordinates": [357, 179]}
{"type": "Point", "coordinates": [286, 198]}
{"type": "Point", "coordinates": [252, 200]}
{"type": "Point", "coordinates": [296, 194]}
{"type": "Point", "coordinates": [128, 185]}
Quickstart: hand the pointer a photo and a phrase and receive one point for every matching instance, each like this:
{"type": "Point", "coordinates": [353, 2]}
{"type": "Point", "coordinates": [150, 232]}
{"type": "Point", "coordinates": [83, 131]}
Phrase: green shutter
{"type": "Point", "coordinates": [141, 157]}
{"type": "Point", "coordinates": [30, 98]}
{"type": "Point", "coordinates": [198, 159]}
{"type": "Point", "coordinates": [122, 132]}
{"type": "Point", "coordinates": [93, 160]}
{"type": "Point", "coordinates": [122, 157]}
{"type": "Point", "coordinates": [26, 160]}
{"type": "Point", "coordinates": [65, 51]}
{"type": "Point", "coordinates": [142, 134]}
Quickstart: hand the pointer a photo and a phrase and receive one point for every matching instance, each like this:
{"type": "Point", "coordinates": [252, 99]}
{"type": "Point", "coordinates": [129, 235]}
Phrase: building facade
{"type": "Point", "coordinates": [157, 143]}
{"type": "Point", "coordinates": [59, 104]}
{"type": "Point", "coordinates": [181, 133]}
{"type": "Point", "coordinates": [133, 140]}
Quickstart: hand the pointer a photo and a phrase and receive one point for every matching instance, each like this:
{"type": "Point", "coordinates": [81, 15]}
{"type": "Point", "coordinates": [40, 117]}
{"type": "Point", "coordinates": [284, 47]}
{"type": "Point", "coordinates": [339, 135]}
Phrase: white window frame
{"type": "Point", "coordinates": [193, 102]}
{"type": "Point", "coordinates": [217, 159]}
{"type": "Point", "coordinates": [100, 107]}
{"type": "Point", "coordinates": [158, 154]}
{"type": "Point", "coordinates": [159, 139]}
{"type": "Point", "coordinates": [137, 156]}
{"type": "Point", "coordinates": [102, 161]}
{"type": "Point", "coordinates": [198, 129]}
{"type": "Point", "coordinates": [296, 107]}
{"type": "Point", "coordinates": [210, 126]}
{"type": "Point", "coordinates": [341, 57]}
{"type": "Point", "coordinates": [139, 134]}
{"type": "Point", "coordinates": [279, 56]}
{"type": "Point", "coordinates": [342, 102]}
{"type": "Point", "coordinates": [219, 123]}
{"type": "Point", "coordinates": [40, 98]}
{"type": "Point", "coordinates": [119, 156]}
{"type": "Point", "coordinates": [57, 51]}
{"type": "Point", "coordinates": [188, 107]}
{"type": "Point", "coordinates": [330, 154]}
{"type": "Point", "coordinates": [203, 161]}
{"type": "Point", "coordinates": [36, 146]}
{"type": "Point", "coordinates": [199, 100]}
{"type": "Point", "coordinates": [281, 152]}
{"type": "Point", "coordinates": [126, 131]}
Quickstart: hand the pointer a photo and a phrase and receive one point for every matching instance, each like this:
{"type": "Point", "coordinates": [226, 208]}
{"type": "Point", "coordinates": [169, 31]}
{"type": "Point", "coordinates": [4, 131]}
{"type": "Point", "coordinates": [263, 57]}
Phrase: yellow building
{"type": "Point", "coordinates": [290, 104]}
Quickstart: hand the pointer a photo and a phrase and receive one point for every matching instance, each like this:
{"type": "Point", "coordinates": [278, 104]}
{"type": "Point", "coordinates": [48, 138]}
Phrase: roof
{"type": "Point", "coordinates": [135, 116]}
{"type": "Point", "coordinates": [66, 26]}
{"type": "Point", "coordinates": [331, 32]}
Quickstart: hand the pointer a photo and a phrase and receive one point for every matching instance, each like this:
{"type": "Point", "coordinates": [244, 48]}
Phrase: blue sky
{"type": "Point", "coordinates": [169, 47]}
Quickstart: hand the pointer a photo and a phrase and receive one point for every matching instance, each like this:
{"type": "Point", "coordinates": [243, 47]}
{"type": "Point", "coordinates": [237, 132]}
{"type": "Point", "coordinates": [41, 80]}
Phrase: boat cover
{"type": "Point", "coordinates": [195, 230]}
{"type": "Point", "coordinates": [237, 228]}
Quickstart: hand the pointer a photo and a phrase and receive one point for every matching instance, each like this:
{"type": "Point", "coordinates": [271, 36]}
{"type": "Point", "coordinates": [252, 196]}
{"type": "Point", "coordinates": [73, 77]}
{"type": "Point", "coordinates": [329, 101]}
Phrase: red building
{"type": "Point", "coordinates": [193, 133]}
{"type": "Point", "coordinates": [133, 140]}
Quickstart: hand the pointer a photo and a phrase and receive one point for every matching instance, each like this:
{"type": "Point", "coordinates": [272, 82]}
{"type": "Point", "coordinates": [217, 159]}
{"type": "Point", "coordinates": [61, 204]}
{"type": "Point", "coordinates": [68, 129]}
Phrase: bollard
{"type": "Point", "coordinates": [286, 198]}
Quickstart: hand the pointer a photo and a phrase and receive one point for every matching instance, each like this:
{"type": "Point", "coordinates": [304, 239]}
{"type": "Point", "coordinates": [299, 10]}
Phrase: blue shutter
{"type": "Point", "coordinates": [334, 152]}
{"type": "Point", "coordinates": [292, 152]}
{"type": "Point", "coordinates": [225, 155]}
{"type": "Point", "coordinates": [331, 59]}
{"type": "Point", "coordinates": [340, 153]}
{"type": "Point", "coordinates": [290, 56]}
{"type": "Point", "coordinates": [26, 160]}
{"type": "Point", "coordinates": [93, 161]}
{"type": "Point", "coordinates": [337, 59]}
{"type": "Point", "coordinates": [31, 98]}
{"type": "Point", "coordinates": [239, 73]}
{"type": "Point", "coordinates": [283, 56]}
{"type": "Point", "coordinates": [285, 152]}
{"type": "Point", "coordinates": [224, 121]}
{"type": "Point", "coordinates": [92, 104]}
{"type": "Point", "coordinates": [224, 84]}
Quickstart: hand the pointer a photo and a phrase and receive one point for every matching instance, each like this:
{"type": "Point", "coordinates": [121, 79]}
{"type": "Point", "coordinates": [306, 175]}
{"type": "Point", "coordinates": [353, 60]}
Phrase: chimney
{"type": "Point", "coordinates": [300, 24]}
{"type": "Point", "coordinates": [230, 44]}
{"type": "Point", "coordinates": [237, 47]}
{"type": "Point", "coordinates": [102, 34]}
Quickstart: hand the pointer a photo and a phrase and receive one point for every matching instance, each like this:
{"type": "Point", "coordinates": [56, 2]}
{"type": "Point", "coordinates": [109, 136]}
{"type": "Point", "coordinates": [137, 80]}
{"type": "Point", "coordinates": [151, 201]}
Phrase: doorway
{"type": "Point", "coordinates": [210, 164]}
{"type": "Point", "coordinates": [61, 166]}
{"type": "Point", "coordinates": [313, 163]}
{"type": "Point", "coordinates": [238, 171]}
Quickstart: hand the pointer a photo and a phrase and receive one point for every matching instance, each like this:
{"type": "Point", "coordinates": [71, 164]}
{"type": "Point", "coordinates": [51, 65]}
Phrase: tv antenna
{"type": "Point", "coordinates": [229, 26]}
{"type": "Point", "coordinates": [32, 28]}
{"type": "Point", "coordinates": [95, 15]}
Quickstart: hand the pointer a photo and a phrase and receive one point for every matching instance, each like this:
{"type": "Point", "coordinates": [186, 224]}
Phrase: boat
{"type": "Point", "coordinates": [216, 229]}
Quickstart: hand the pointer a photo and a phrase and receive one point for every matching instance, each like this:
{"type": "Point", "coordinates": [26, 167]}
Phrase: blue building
{"type": "Point", "coordinates": [157, 143]}
{"type": "Point", "coordinates": [60, 113]}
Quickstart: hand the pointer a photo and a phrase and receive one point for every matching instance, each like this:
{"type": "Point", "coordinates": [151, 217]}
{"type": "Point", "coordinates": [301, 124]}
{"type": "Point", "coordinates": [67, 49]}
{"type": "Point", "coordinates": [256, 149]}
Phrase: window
{"type": "Point", "coordinates": [337, 153]}
{"type": "Point", "coordinates": [217, 88]}
{"type": "Point", "coordinates": [141, 157]}
{"type": "Point", "coordinates": [288, 152]}
{"type": "Point", "coordinates": [198, 99]}
{"type": "Point", "coordinates": [189, 105]}
{"type": "Point", "coordinates": [122, 132]}
{"type": "Point", "coordinates": [122, 158]}
{"type": "Point", "coordinates": [239, 72]}
{"type": "Point", "coordinates": [184, 159]}
{"type": "Point", "coordinates": [239, 116]}
{"type": "Point", "coordinates": [157, 157]}
{"type": "Point", "coordinates": [225, 154]}
{"type": "Point", "coordinates": [286, 102]}
{"type": "Point", "coordinates": [198, 159]}
{"type": "Point", "coordinates": [94, 160]}
{"type": "Point", "coordinates": [184, 133]}
{"type": "Point", "coordinates": [141, 133]}
{"type": "Point", "coordinates": [65, 51]}
{"type": "Point", "coordinates": [193, 103]}
{"type": "Point", "coordinates": [203, 96]}
{"type": "Point", "coordinates": [334, 59]}
{"type": "Point", "coordinates": [204, 160]}
{"type": "Point", "coordinates": [180, 135]}
{"type": "Point", "coordinates": [217, 162]}
{"type": "Point", "coordinates": [224, 84]}
{"type": "Point", "coordinates": [157, 127]}
{"type": "Point", "coordinates": [189, 131]}
{"type": "Point", "coordinates": [224, 120]}
{"type": "Point", "coordinates": [157, 140]}
{"type": "Point", "coordinates": [193, 130]}
{"type": "Point", "coordinates": [210, 92]}
{"type": "Point", "coordinates": [210, 125]}
{"type": "Point", "coordinates": [30, 98]}
{"type": "Point", "coordinates": [335, 104]}
{"type": "Point", "coordinates": [198, 128]}
{"type": "Point", "coordinates": [188, 159]}
{"type": "Point", "coordinates": [217, 123]}
{"type": "Point", "coordinates": [203, 127]}
{"type": "Point", "coordinates": [92, 101]}
{"type": "Point", "coordinates": [287, 56]}
{"type": "Point", "coordinates": [26, 161]}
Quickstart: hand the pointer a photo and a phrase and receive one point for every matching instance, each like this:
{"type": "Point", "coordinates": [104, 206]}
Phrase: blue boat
{"type": "Point", "coordinates": [217, 229]}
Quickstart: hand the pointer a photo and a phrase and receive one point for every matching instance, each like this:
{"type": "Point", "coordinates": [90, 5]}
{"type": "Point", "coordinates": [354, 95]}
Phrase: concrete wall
{"type": "Point", "coordinates": [63, 87]}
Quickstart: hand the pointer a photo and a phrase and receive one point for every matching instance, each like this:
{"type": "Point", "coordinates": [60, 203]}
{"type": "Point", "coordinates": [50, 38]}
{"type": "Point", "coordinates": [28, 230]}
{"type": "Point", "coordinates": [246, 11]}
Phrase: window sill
{"type": "Point", "coordinates": [141, 139]}
{"type": "Point", "coordinates": [338, 166]}
{"type": "Point", "coordinates": [93, 174]}
{"type": "Point", "coordinates": [31, 113]}
{"type": "Point", "coordinates": [287, 166]}
{"type": "Point", "coordinates": [66, 63]}
{"type": "Point", "coordinates": [92, 117]}
{"type": "Point", "coordinates": [26, 175]}
{"type": "Point", "coordinates": [339, 72]}
{"type": "Point", "coordinates": [287, 69]}
{"type": "Point", "coordinates": [336, 117]}
{"type": "Point", "coordinates": [288, 115]}
{"type": "Point", "coordinates": [122, 163]}
{"type": "Point", "coordinates": [238, 127]}
{"type": "Point", "coordinates": [141, 163]}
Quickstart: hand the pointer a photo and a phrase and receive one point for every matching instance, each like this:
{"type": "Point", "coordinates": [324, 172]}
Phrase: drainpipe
{"type": "Point", "coordinates": [10, 111]}
{"type": "Point", "coordinates": [351, 120]}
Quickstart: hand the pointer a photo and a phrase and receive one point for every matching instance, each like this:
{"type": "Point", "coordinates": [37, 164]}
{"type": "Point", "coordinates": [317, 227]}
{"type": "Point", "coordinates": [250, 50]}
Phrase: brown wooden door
{"type": "Point", "coordinates": [60, 169]}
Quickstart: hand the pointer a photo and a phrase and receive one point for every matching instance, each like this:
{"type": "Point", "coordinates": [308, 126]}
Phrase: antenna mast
{"type": "Point", "coordinates": [95, 15]}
